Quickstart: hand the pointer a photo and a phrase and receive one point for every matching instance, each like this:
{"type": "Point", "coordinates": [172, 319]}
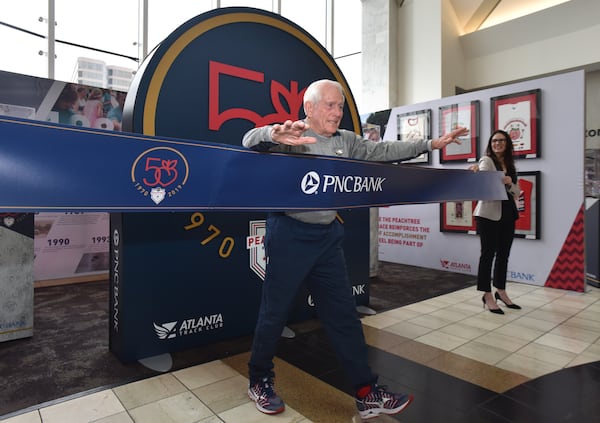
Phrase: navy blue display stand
{"type": "Point", "coordinates": [174, 288]}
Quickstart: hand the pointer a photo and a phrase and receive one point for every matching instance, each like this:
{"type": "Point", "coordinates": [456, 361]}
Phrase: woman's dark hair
{"type": "Point", "coordinates": [509, 160]}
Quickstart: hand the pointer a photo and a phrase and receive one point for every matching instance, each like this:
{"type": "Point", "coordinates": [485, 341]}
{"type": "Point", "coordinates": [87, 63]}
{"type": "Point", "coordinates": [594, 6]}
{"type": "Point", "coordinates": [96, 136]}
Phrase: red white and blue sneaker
{"type": "Point", "coordinates": [379, 401]}
{"type": "Point", "coordinates": [263, 394]}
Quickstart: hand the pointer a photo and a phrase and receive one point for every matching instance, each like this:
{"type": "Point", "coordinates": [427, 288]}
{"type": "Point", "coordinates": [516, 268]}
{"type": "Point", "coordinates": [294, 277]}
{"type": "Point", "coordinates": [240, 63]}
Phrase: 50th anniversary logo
{"type": "Point", "coordinates": [160, 172]}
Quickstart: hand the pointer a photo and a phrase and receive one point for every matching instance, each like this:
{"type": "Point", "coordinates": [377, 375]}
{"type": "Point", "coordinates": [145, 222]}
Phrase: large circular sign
{"type": "Point", "coordinates": [226, 71]}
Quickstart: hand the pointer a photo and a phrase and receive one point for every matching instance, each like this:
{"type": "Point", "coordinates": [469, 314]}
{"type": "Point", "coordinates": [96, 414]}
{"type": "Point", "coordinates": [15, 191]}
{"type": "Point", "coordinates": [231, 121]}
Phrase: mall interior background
{"type": "Point", "coordinates": [392, 52]}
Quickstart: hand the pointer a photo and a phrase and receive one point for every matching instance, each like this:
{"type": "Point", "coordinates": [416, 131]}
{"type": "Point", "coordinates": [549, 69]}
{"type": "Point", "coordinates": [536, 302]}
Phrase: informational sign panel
{"type": "Point", "coordinates": [68, 246]}
{"type": "Point", "coordinates": [550, 225]}
{"type": "Point", "coordinates": [71, 244]}
{"type": "Point", "coordinates": [16, 276]}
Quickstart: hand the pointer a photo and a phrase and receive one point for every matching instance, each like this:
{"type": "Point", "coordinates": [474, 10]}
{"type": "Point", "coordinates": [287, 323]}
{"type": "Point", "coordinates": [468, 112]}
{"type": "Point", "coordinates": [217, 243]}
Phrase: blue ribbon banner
{"type": "Point", "coordinates": [51, 167]}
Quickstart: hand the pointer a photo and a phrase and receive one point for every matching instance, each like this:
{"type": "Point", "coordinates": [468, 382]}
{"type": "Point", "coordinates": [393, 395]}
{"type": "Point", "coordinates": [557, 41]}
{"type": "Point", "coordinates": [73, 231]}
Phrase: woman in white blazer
{"type": "Point", "coordinates": [496, 223]}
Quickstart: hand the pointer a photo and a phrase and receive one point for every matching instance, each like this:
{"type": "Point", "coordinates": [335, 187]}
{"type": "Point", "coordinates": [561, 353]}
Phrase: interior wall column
{"type": "Point", "coordinates": [379, 54]}
{"type": "Point", "coordinates": [379, 85]}
{"type": "Point", "coordinates": [418, 46]}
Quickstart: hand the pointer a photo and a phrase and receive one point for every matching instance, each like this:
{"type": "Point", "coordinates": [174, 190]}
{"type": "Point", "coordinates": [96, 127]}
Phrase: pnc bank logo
{"type": "Point", "coordinates": [159, 173]}
{"type": "Point", "coordinates": [312, 181]}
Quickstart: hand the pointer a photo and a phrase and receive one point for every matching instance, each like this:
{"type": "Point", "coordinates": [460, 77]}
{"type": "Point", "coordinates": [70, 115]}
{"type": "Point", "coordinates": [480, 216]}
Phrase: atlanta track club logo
{"type": "Point", "coordinates": [192, 326]}
{"type": "Point", "coordinates": [159, 173]}
{"type": "Point", "coordinates": [166, 330]}
{"type": "Point", "coordinates": [455, 266]}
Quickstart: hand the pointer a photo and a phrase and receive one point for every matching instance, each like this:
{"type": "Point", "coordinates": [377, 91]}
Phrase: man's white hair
{"type": "Point", "coordinates": [313, 92]}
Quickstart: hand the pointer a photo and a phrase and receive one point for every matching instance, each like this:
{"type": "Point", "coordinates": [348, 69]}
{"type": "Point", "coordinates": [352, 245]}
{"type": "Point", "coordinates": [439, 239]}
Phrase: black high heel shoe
{"type": "Point", "coordinates": [493, 310]}
{"type": "Point", "coordinates": [513, 305]}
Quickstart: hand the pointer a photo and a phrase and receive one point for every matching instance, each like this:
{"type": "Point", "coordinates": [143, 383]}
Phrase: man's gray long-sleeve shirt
{"type": "Point", "coordinates": [343, 143]}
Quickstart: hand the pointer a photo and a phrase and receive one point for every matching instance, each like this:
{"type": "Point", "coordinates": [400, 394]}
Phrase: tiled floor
{"type": "Point", "coordinates": [555, 329]}
{"type": "Point", "coordinates": [462, 363]}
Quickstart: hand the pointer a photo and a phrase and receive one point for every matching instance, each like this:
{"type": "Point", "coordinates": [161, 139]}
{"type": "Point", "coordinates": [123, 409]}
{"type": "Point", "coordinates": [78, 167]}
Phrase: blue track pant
{"type": "Point", "coordinates": [299, 253]}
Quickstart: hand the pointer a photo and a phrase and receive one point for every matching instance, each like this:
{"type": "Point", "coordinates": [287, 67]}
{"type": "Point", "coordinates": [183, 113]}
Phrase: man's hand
{"type": "Point", "coordinates": [290, 133]}
{"type": "Point", "coordinates": [448, 138]}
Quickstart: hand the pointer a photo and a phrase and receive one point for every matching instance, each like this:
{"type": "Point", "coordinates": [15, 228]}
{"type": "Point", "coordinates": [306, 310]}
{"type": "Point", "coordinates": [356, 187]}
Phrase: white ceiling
{"type": "Point", "coordinates": [479, 14]}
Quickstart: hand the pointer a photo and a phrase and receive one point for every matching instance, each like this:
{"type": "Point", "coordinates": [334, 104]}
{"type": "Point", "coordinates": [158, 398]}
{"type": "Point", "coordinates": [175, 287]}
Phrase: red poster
{"type": "Point", "coordinates": [524, 206]}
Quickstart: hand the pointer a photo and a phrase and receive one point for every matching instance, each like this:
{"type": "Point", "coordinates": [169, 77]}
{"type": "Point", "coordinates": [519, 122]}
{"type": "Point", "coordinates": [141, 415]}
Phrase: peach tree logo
{"type": "Point", "coordinates": [159, 173]}
{"type": "Point", "coordinates": [281, 98]}
{"type": "Point", "coordinates": [517, 129]}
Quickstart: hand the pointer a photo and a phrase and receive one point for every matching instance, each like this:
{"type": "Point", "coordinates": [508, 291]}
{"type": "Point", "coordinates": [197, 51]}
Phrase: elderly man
{"type": "Point", "coordinates": [306, 247]}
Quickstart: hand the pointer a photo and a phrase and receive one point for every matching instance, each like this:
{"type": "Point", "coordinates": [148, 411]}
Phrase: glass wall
{"type": "Point", "coordinates": [311, 15]}
{"type": "Point", "coordinates": [112, 31]}
{"type": "Point", "coordinates": [105, 31]}
{"type": "Point", "coordinates": [165, 16]}
{"type": "Point", "coordinates": [23, 32]}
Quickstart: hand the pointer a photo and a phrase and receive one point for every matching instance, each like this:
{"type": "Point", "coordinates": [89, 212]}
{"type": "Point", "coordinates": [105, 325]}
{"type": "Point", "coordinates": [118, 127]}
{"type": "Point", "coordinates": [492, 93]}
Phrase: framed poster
{"type": "Point", "coordinates": [457, 216]}
{"type": "Point", "coordinates": [371, 132]}
{"type": "Point", "coordinates": [519, 115]}
{"type": "Point", "coordinates": [528, 224]}
{"type": "Point", "coordinates": [414, 126]}
{"type": "Point", "coordinates": [465, 115]}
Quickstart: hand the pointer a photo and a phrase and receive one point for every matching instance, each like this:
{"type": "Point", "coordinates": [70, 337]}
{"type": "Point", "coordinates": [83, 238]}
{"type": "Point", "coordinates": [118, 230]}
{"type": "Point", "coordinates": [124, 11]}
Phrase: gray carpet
{"type": "Point", "coordinates": [398, 285]}
{"type": "Point", "coordinates": [68, 354]}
